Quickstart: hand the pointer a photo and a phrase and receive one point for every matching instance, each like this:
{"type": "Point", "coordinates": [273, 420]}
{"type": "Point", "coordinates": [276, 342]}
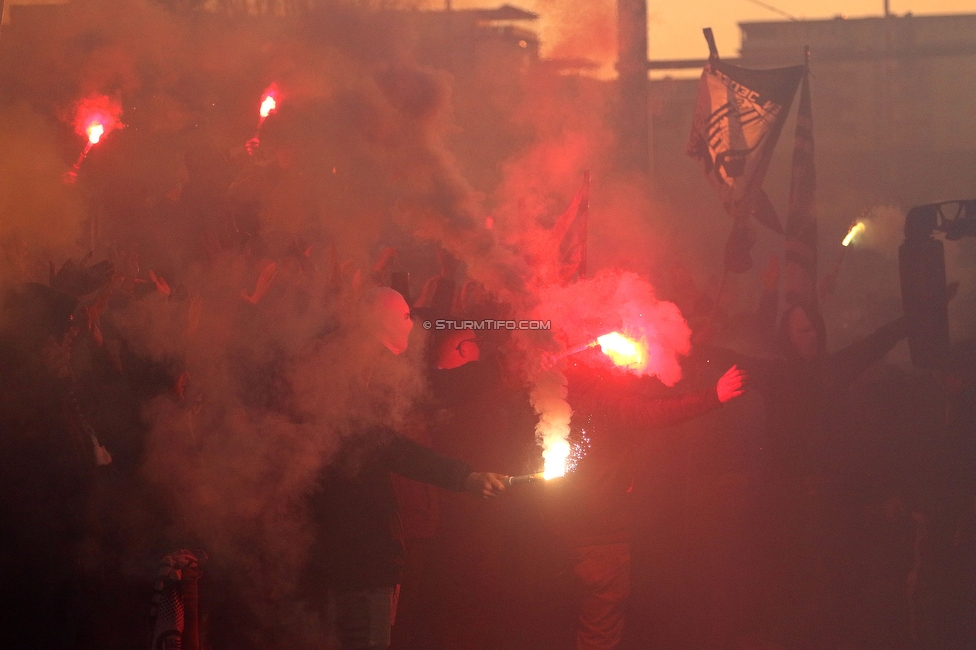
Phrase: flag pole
{"type": "Point", "coordinates": [712, 48]}
{"type": "Point", "coordinates": [584, 234]}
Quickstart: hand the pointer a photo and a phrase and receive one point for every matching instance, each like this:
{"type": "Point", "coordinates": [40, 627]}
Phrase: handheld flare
{"type": "Point", "coordinates": [622, 350]}
{"type": "Point", "coordinates": [95, 117]}
{"type": "Point", "coordinates": [576, 350]}
{"type": "Point", "coordinates": [855, 230]}
{"type": "Point", "coordinates": [525, 478]}
{"type": "Point", "coordinates": [268, 106]}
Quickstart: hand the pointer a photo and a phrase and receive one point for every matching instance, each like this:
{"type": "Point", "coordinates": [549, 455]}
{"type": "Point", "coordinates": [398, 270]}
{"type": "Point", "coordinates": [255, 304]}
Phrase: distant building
{"type": "Point", "coordinates": [465, 39]}
{"type": "Point", "coordinates": [894, 105]}
{"type": "Point", "coordinates": [889, 83]}
{"type": "Point", "coordinates": [9, 4]}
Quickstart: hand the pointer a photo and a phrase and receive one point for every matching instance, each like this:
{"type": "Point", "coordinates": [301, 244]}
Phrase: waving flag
{"type": "Point", "coordinates": [800, 268]}
{"type": "Point", "coordinates": [570, 233]}
{"type": "Point", "coordinates": [738, 119]}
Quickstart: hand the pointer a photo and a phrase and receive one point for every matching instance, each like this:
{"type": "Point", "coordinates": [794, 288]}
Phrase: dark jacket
{"type": "Point", "coordinates": [358, 539]}
{"type": "Point", "coordinates": [808, 414]}
{"type": "Point", "coordinates": [611, 410]}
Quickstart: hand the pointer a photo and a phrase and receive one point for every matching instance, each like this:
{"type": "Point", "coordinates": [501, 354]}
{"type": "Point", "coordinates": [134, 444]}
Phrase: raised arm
{"type": "Point", "coordinates": [664, 412]}
{"type": "Point", "coordinates": [849, 363]}
{"type": "Point", "coordinates": [761, 371]}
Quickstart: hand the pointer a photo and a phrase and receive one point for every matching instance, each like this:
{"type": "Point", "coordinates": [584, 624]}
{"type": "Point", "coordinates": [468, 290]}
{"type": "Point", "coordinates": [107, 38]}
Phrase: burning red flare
{"type": "Point", "coordinates": [95, 117]}
{"type": "Point", "coordinates": [622, 350]}
{"type": "Point", "coordinates": [269, 102]}
{"type": "Point", "coordinates": [268, 106]}
{"type": "Point", "coordinates": [95, 132]}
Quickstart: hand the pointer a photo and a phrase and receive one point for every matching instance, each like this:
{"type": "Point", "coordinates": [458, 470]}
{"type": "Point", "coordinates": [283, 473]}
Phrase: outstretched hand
{"type": "Point", "coordinates": [485, 484]}
{"type": "Point", "coordinates": [732, 384]}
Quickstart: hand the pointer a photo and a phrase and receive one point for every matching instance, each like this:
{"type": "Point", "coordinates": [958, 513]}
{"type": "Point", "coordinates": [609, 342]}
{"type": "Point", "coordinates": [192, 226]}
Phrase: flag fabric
{"type": "Point", "coordinates": [738, 119]}
{"type": "Point", "coordinates": [800, 259]}
{"type": "Point", "coordinates": [570, 233]}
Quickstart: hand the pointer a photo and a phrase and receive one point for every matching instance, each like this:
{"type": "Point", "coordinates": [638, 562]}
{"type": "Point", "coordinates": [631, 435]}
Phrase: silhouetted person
{"type": "Point", "coordinates": [612, 409]}
{"type": "Point", "coordinates": [357, 557]}
{"type": "Point", "coordinates": [806, 469]}
{"type": "Point", "coordinates": [47, 463]}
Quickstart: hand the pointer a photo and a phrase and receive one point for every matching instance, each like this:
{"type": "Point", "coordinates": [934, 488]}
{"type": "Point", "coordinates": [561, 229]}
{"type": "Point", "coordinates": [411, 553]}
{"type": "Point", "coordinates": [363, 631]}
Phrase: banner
{"type": "Point", "coordinates": [570, 234]}
{"type": "Point", "coordinates": [800, 267]}
{"type": "Point", "coordinates": [738, 119]}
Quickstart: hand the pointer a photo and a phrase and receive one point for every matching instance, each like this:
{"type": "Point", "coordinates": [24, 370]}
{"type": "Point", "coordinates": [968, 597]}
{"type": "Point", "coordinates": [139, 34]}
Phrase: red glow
{"type": "Point", "coordinates": [489, 223]}
{"type": "Point", "coordinates": [96, 116]}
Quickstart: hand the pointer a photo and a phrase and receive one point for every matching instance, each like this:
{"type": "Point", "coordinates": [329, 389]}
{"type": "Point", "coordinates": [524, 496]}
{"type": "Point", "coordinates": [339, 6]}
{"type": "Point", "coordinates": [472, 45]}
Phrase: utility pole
{"type": "Point", "coordinates": [632, 116]}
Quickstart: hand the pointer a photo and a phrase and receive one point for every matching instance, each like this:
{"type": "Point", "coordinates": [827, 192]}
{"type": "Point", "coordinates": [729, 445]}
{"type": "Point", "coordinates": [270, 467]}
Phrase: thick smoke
{"type": "Point", "coordinates": [242, 275]}
{"type": "Point", "coordinates": [611, 301]}
{"type": "Point", "coordinates": [884, 230]}
{"type": "Point", "coordinates": [239, 273]}
{"type": "Point", "coordinates": [883, 234]}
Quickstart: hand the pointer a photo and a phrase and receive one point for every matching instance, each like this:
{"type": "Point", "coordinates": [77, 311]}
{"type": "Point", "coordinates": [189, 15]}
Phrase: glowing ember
{"type": "Point", "coordinates": [555, 456]}
{"type": "Point", "coordinates": [95, 132]}
{"type": "Point", "coordinates": [268, 105]}
{"type": "Point", "coordinates": [623, 351]}
{"type": "Point", "coordinates": [855, 230]}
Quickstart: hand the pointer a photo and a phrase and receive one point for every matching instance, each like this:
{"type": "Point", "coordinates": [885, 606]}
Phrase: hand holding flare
{"type": "Point", "coordinates": [487, 485]}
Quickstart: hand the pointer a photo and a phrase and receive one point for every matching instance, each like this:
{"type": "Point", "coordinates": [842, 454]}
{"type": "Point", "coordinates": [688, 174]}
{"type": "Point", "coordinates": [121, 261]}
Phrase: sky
{"type": "Point", "coordinates": [587, 27]}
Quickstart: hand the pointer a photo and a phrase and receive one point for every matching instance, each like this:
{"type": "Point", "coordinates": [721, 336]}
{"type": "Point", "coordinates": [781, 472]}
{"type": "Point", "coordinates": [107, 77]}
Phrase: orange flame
{"type": "Point", "coordinates": [622, 350]}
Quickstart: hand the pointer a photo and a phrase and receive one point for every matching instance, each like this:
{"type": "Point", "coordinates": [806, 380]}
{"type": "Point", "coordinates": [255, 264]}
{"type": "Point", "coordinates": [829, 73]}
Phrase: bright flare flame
{"type": "Point", "coordinates": [555, 456]}
{"type": "Point", "coordinates": [855, 230]}
{"type": "Point", "coordinates": [95, 132]}
{"type": "Point", "coordinates": [623, 351]}
{"type": "Point", "coordinates": [268, 105]}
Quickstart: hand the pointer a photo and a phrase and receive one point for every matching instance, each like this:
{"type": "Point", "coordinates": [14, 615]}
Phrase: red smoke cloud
{"type": "Point", "coordinates": [97, 112]}
{"type": "Point", "coordinates": [619, 301]}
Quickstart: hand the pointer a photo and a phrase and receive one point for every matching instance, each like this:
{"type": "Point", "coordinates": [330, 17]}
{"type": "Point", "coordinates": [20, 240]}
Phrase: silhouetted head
{"type": "Point", "coordinates": [802, 333]}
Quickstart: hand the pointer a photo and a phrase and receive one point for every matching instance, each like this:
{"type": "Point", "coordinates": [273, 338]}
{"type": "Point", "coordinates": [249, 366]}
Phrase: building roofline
{"type": "Point", "coordinates": [908, 16]}
{"type": "Point", "coordinates": [504, 12]}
